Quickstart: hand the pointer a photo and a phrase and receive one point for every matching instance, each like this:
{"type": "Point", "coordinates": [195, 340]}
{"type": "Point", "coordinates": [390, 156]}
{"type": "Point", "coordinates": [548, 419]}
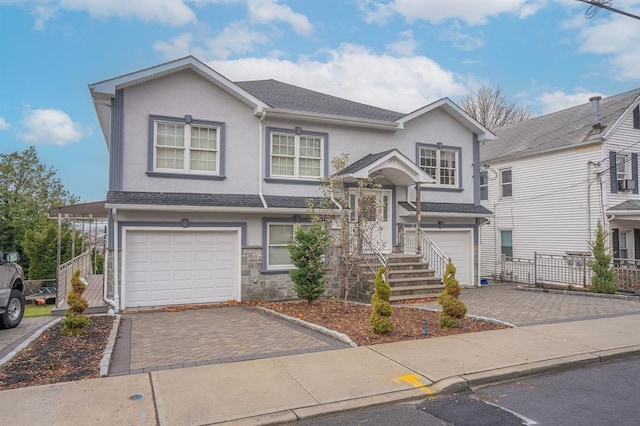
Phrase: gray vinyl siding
{"type": "Point", "coordinates": [625, 139]}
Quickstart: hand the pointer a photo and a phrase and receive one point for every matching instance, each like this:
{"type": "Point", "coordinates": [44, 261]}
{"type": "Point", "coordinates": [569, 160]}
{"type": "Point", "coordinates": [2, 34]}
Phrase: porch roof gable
{"type": "Point", "coordinates": [394, 165]}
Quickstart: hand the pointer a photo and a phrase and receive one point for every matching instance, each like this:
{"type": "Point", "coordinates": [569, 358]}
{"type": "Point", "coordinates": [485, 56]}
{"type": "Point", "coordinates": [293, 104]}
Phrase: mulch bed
{"type": "Point", "coordinates": [53, 358]}
{"type": "Point", "coordinates": [354, 321]}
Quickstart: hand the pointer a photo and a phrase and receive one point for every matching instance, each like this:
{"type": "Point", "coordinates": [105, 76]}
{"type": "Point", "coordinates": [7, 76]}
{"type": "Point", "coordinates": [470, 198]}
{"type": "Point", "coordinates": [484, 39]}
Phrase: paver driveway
{"type": "Point", "coordinates": [506, 302]}
{"type": "Point", "coordinates": [150, 341]}
{"type": "Point", "coordinates": [13, 337]}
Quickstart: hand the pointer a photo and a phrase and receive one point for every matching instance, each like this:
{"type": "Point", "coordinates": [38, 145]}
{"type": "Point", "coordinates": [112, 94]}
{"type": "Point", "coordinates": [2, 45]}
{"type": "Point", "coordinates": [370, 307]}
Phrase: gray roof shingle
{"type": "Point", "coordinates": [629, 205]}
{"type": "Point", "coordinates": [287, 96]}
{"type": "Point", "coordinates": [448, 208]}
{"type": "Point", "coordinates": [183, 199]}
{"type": "Point", "coordinates": [363, 162]}
{"type": "Point", "coordinates": [568, 128]}
{"type": "Point", "coordinates": [285, 201]}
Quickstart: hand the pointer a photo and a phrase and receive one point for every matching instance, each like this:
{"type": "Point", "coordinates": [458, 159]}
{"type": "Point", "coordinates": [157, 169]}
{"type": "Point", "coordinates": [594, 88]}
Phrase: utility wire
{"type": "Point", "coordinates": [604, 4]}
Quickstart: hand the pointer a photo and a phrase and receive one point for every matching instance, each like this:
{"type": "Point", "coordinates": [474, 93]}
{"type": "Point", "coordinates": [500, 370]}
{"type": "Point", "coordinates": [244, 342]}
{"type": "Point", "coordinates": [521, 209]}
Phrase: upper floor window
{"type": "Point", "coordinates": [296, 156]}
{"type": "Point", "coordinates": [440, 163]}
{"type": "Point", "coordinates": [484, 185]}
{"type": "Point", "coordinates": [636, 117]}
{"type": "Point", "coordinates": [506, 183]}
{"type": "Point", "coordinates": [186, 146]}
{"type": "Point", "coordinates": [623, 168]}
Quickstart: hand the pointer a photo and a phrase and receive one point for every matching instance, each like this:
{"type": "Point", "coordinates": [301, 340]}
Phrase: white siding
{"type": "Point", "coordinates": [625, 139]}
{"type": "Point", "coordinates": [548, 210]}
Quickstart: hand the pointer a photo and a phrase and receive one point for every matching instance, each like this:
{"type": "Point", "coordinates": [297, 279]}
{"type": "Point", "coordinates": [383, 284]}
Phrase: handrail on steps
{"type": "Point", "coordinates": [431, 253]}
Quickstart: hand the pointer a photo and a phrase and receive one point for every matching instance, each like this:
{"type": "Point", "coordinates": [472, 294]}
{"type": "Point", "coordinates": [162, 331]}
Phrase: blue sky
{"type": "Point", "coordinates": [398, 54]}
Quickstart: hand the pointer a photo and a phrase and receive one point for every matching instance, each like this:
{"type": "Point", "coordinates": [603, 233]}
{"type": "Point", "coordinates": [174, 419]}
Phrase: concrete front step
{"type": "Point", "coordinates": [394, 282]}
{"type": "Point", "coordinates": [410, 273]}
{"type": "Point", "coordinates": [398, 298]}
{"type": "Point", "coordinates": [413, 289]}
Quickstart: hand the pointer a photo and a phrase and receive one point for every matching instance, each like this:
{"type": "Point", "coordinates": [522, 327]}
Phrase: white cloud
{"type": "Point", "coordinates": [354, 72]}
{"type": "Point", "coordinates": [405, 45]}
{"type": "Point", "coordinates": [49, 127]}
{"type": "Point", "coordinates": [614, 36]}
{"type": "Point", "coordinates": [559, 100]}
{"type": "Point", "coordinates": [437, 11]}
{"type": "Point", "coordinates": [460, 39]}
{"type": "Point", "coordinates": [237, 38]}
{"type": "Point", "coordinates": [267, 11]}
{"type": "Point", "coordinates": [166, 12]}
{"type": "Point", "coordinates": [4, 124]}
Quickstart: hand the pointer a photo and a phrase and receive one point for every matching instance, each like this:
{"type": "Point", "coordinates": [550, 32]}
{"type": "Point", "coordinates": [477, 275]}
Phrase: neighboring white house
{"type": "Point", "coordinates": [207, 178]}
{"type": "Point", "coordinates": [549, 180]}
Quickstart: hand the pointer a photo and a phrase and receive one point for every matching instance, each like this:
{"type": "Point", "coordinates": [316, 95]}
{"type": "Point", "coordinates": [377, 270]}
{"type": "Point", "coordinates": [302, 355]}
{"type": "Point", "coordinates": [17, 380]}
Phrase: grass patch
{"type": "Point", "coordinates": [31, 311]}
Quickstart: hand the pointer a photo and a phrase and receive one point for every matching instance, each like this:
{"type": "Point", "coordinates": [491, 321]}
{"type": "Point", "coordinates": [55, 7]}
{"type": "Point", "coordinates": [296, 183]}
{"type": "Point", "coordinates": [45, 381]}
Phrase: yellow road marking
{"type": "Point", "coordinates": [414, 379]}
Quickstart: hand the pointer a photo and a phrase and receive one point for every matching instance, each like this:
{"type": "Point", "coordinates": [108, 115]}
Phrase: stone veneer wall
{"type": "Point", "coordinates": [256, 285]}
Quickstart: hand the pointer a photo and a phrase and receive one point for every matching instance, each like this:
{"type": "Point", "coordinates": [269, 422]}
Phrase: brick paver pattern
{"type": "Point", "coordinates": [506, 302]}
{"type": "Point", "coordinates": [224, 334]}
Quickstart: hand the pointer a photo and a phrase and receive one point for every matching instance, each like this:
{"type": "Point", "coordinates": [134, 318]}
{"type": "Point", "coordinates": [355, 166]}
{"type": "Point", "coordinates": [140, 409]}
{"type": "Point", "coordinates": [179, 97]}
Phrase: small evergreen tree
{"type": "Point", "coordinates": [75, 320]}
{"type": "Point", "coordinates": [307, 250]}
{"type": "Point", "coordinates": [602, 280]}
{"type": "Point", "coordinates": [381, 315]}
{"type": "Point", "coordinates": [453, 310]}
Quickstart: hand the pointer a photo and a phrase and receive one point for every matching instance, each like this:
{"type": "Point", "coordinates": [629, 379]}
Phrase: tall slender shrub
{"type": "Point", "coordinates": [381, 315]}
{"type": "Point", "coordinates": [75, 320]}
{"type": "Point", "coordinates": [602, 280]}
{"type": "Point", "coordinates": [307, 251]}
{"type": "Point", "coordinates": [453, 310]}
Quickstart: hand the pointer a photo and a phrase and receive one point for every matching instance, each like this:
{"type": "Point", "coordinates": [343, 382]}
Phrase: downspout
{"type": "Point", "coordinates": [116, 262]}
{"type": "Point", "coordinates": [261, 159]}
{"type": "Point", "coordinates": [589, 163]}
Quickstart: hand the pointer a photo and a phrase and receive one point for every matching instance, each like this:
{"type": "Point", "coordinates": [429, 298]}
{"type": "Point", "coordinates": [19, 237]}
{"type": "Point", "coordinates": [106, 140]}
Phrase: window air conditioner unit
{"type": "Point", "coordinates": [626, 185]}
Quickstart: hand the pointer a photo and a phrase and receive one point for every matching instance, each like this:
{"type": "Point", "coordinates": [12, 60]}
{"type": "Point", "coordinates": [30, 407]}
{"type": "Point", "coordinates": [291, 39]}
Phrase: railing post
{"type": "Point", "coordinates": [535, 268]}
{"type": "Point", "coordinates": [584, 271]}
{"type": "Point", "coordinates": [418, 217]}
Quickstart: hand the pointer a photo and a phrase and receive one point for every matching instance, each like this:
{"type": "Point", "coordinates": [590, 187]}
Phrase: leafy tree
{"type": "Point", "coordinates": [602, 280]}
{"type": "Point", "coordinates": [453, 310]}
{"type": "Point", "coordinates": [41, 246]}
{"type": "Point", "coordinates": [307, 251]}
{"type": "Point", "coordinates": [28, 190]}
{"type": "Point", "coordinates": [489, 107]}
{"type": "Point", "coordinates": [381, 315]}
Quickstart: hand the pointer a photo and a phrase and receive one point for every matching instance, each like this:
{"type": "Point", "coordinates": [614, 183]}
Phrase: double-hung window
{"type": "Point", "coordinates": [622, 167]}
{"type": "Point", "coordinates": [279, 236]}
{"type": "Point", "coordinates": [506, 243]}
{"type": "Point", "coordinates": [296, 156]}
{"type": "Point", "coordinates": [484, 185]}
{"type": "Point", "coordinates": [506, 183]}
{"type": "Point", "coordinates": [440, 163]}
{"type": "Point", "coordinates": [186, 147]}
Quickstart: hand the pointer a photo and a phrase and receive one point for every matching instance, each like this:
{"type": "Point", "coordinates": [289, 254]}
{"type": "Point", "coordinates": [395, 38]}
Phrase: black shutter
{"type": "Point", "coordinates": [634, 171]}
{"type": "Point", "coordinates": [615, 236]}
{"type": "Point", "coordinates": [613, 172]}
{"type": "Point", "coordinates": [636, 243]}
{"type": "Point", "coordinates": [636, 117]}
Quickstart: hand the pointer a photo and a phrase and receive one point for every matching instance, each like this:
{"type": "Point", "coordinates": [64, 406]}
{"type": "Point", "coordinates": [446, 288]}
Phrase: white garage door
{"type": "Point", "coordinates": [459, 246]}
{"type": "Point", "coordinates": [179, 267]}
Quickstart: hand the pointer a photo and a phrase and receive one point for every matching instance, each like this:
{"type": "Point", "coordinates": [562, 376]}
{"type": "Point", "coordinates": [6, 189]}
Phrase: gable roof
{"type": "Point", "coordinates": [564, 129]}
{"type": "Point", "coordinates": [393, 164]}
{"type": "Point", "coordinates": [287, 96]}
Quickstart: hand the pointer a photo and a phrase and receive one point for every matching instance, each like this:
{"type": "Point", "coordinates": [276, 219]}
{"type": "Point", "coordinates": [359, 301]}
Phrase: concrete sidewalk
{"type": "Point", "coordinates": [288, 388]}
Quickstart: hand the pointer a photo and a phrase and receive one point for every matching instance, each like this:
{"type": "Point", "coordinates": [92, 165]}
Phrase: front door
{"type": "Point", "coordinates": [374, 207]}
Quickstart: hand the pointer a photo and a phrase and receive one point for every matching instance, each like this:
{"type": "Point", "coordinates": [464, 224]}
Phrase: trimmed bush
{"type": "Point", "coordinates": [306, 250]}
{"type": "Point", "coordinates": [75, 320]}
{"type": "Point", "coordinates": [381, 315]}
{"type": "Point", "coordinates": [602, 281]}
{"type": "Point", "coordinates": [453, 310]}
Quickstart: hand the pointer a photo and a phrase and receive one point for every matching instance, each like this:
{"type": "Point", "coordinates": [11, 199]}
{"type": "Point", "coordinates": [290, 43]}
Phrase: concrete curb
{"type": "Point", "coordinates": [320, 329]}
{"type": "Point", "coordinates": [578, 293]}
{"type": "Point", "coordinates": [27, 341]}
{"type": "Point", "coordinates": [105, 362]}
{"type": "Point", "coordinates": [470, 316]}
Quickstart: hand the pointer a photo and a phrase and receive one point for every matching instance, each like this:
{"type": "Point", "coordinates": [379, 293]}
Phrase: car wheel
{"type": "Point", "coordinates": [13, 311]}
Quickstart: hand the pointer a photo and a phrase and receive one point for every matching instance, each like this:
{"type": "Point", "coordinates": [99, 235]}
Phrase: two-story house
{"type": "Point", "coordinates": [549, 180]}
{"type": "Point", "coordinates": [207, 178]}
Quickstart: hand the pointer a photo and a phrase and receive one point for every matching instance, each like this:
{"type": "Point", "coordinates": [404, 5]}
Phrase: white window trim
{"type": "Point", "coordinates": [623, 160]}
{"type": "Point", "coordinates": [485, 185]}
{"type": "Point", "coordinates": [500, 231]}
{"type": "Point", "coordinates": [438, 151]}
{"type": "Point", "coordinates": [296, 157]}
{"type": "Point", "coordinates": [507, 183]}
{"type": "Point", "coordinates": [268, 244]}
{"type": "Point", "coordinates": [187, 148]}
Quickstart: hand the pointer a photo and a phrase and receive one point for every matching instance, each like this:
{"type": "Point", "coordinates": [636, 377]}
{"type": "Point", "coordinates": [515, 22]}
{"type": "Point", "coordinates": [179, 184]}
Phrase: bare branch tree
{"type": "Point", "coordinates": [489, 106]}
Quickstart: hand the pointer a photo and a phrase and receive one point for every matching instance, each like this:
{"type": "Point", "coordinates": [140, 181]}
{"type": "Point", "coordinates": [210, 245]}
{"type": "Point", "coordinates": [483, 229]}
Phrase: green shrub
{"type": "Point", "coordinates": [453, 310]}
{"type": "Point", "coordinates": [381, 315]}
{"type": "Point", "coordinates": [602, 281]}
{"type": "Point", "coordinates": [75, 320]}
{"type": "Point", "coordinates": [307, 250]}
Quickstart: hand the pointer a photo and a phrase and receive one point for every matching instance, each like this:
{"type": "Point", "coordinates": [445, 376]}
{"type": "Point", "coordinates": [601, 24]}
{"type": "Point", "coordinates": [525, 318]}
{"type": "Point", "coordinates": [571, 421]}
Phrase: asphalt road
{"type": "Point", "coordinates": [607, 394]}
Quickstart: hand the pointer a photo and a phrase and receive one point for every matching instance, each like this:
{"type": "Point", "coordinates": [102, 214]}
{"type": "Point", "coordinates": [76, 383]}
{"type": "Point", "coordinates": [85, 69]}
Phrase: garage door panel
{"type": "Point", "coordinates": [456, 244]}
{"type": "Point", "coordinates": [178, 267]}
